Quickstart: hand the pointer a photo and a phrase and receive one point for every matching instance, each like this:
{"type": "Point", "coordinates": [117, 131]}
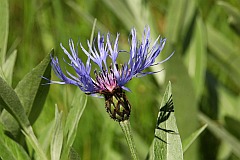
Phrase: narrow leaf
{"type": "Point", "coordinates": [187, 142]}
{"type": "Point", "coordinates": [225, 52]}
{"type": "Point", "coordinates": [233, 125]}
{"type": "Point", "coordinates": [5, 153]}
{"type": "Point", "coordinates": [32, 95]}
{"type": "Point", "coordinates": [31, 91]}
{"type": "Point", "coordinates": [234, 14]}
{"type": "Point", "coordinates": [183, 84]}
{"type": "Point", "coordinates": [10, 101]}
{"type": "Point", "coordinates": [8, 67]}
{"type": "Point", "coordinates": [222, 133]}
{"type": "Point", "coordinates": [33, 141]}
{"type": "Point", "coordinates": [46, 136]}
{"type": "Point", "coordinates": [196, 57]}
{"type": "Point", "coordinates": [16, 150]}
{"type": "Point", "coordinates": [189, 18]}
{"type": "Point", "coordinates": [167, 143]}
{"type": "Point", "coordinates": [3, 29]}
{"type": "Point", "coordinates": [57, 137]}
{"type": "Point", "coordinates": [77, 107]}
{"type": "Point", "coordinates": [230, 9]}
{"type": "Point", "coordinates": [122, 12]}
{"type": "Point", "coordinates": [175, 17]}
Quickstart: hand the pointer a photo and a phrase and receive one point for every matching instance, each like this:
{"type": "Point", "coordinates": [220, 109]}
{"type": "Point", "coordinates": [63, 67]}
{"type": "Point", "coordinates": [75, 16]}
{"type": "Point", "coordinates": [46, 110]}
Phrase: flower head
{"type": "Point", "coordinates": [110, 79]}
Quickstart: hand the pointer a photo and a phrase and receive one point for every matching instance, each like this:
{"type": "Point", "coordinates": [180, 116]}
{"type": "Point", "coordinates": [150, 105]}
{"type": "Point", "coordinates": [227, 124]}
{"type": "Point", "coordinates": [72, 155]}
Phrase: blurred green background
{"type": "Point", "coordinates": [204, 71]}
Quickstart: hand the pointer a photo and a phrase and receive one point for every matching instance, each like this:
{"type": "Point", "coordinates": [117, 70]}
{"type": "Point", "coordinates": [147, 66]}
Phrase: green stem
{"type": "Point", "coordinates": [126, 128]}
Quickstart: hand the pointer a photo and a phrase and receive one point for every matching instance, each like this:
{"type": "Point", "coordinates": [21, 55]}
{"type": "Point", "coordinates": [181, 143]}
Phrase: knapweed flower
{"type": "Point", "coordinates": [109, 80]}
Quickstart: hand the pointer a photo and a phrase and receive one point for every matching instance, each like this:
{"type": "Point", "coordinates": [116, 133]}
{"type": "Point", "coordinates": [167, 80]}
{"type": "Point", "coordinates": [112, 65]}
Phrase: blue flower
{"type": "Point", "coordinates": [109, 80]}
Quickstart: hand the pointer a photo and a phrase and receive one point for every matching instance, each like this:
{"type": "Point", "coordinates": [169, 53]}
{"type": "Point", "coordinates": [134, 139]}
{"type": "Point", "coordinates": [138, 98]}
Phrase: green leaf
{"type": "Point", "coordinates": [31, 91]}
{"type": "Point", "coordinates": [8, 67]}
{"type": "Point", "coordinates": [3, 29]}
{"type": "Point", "coordinates": [228, 104]}
{"type": "Point", "coordinates": [233, 125]}
{"type": "Point", "coordinates": [230, 9]}
{"type": "Point", "coordinates": [221, 46]}
{"type": "Point", "coordinates": [5, 153]}
{"type": "Point", "coordinates": [189, 18]}
{"type": "Point", "coordinates": [196, 57]}
{"type": "Point", "coordinates": [11, 124]}
{"type": "Point", "coordinates": [31, 138]}
{"type": "Point", "coordinates": [177, 73]}
{"type": "Point", "coordinates": [167, 143]}
{"type": "Point", "coordinates": [16, 151]}
{"type": "Point", "coordinates": [57, 137]}
{"type": "Point", "coordinates": [77, 107]}
{"type": "Point", "coordinates": [10, 101]}
{"type": "Point", "coordinates": [187, 142]}
{"type": "Point", "coordinates": [46, 135]}
{"type": "Point", "coordinates": [226, 52]}
{"type": "Point", "coordinates": [122, 12]}
{"type": "Point", "coordinates": [222, 133]}
{"type": "Point", "coordinates": [175, 17]}
{"type": "Point", "coordinates": [233, 12]}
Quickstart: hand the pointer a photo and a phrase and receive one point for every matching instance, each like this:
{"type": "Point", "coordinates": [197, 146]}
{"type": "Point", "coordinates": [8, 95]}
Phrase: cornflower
{"type": "Point", "coordinates": [109, 80]}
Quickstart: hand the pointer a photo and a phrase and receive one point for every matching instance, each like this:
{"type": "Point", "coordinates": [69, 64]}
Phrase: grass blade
{"type": "Point", "coordinates": [222, 133]}
{"type": "Point", "coordinates": [122, 12]}
{"type": "Point", "coordinates": [77, 107]}
{"type": "Point", "coordinates": [176, 15]}
{"type": "Point", "coordinates": [8, 67]}
{"type": "Point", "coordinates": [226, 52]}
{"type": "Point", "coordinates": [30, 136]}
{"type": "Point", "coordinates": [234, 14]}
{"type": "Point", "coordinates": [197, 57]}
{"type": "Point", "coordinates": [57, 137]}
{"type": "Point", "coordinates": [187, 142]}
{"type": "Point", "coordinates": [3, 29]}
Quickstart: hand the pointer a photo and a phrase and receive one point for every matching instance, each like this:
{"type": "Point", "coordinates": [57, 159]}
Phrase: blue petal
{"type": "Point", "coordinates": [141, 57]}
{"type": "Point", "coordinates": [83, 79]}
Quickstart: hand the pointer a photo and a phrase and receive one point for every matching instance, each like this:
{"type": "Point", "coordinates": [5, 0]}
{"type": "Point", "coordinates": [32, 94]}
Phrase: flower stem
{"type": "Point", "coordinates": [126, 128]}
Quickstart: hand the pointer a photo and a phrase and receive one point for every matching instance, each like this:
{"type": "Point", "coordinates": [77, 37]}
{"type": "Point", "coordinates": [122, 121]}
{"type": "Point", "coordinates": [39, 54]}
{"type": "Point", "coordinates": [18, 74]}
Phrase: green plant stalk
{"type": "Point", "coordinates": [126, 128]}
{"type": "Point", "coordinates": [28, 132]}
